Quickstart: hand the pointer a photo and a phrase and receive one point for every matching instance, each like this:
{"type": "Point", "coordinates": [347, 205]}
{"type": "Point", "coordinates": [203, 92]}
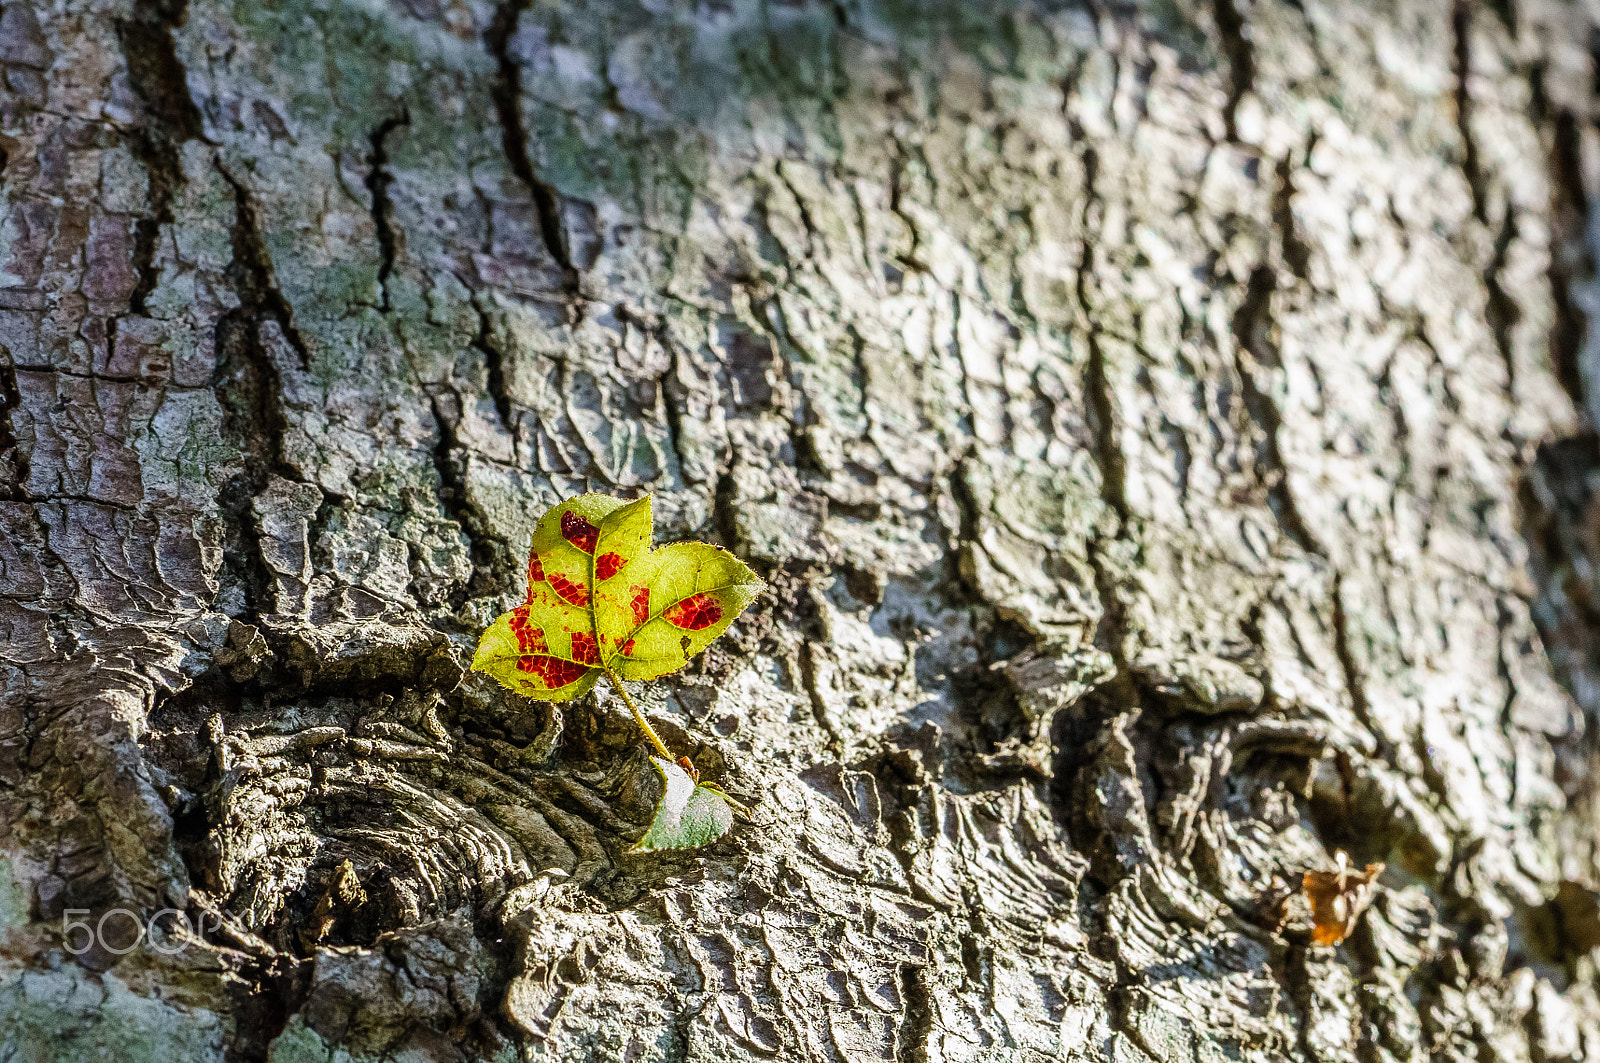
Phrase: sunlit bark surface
{"type": "Point", "coordinates": [1166, 428]}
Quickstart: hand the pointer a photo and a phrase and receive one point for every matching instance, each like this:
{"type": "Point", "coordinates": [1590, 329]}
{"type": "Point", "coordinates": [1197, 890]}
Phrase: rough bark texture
{"type": "Point", "coordinates": [1168, 430]}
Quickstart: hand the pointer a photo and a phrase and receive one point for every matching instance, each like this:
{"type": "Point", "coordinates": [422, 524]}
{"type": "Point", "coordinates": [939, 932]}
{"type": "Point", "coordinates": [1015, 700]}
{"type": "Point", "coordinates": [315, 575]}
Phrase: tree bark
{"type": "Point", "coordinates": [1167, 430]}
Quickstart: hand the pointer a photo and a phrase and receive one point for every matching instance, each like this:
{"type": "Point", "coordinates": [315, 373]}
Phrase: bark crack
{"type": "Point", "coordinates": [490, 554]}
{"type": "Point", "coordinates": [1471, 166]}
{"type": "Point", "coordinates": [13, 489]}
{"type": "Point", "coordinates": [1302, 994]}
{"type": "Point", "coordinates": [239, 347]}
{"type": "Point", "coordinates": [917, 1022]}
{"type": "Point", "coordinates": [1102, 421]}
{"type": "Point", "coordinates": [494, 367]}
{"type": "Point", "coordinates": [158, 79]}
{"type": "Point", "coordinates": [1253, 347]}
{"type": "Point", "coordinates": [1098, 393]}
{"type": "Point", "coordinates": [897, 171]}
{"type": "Point", "coordinates": [724, 518]}
{"type": "Point", "coordinates": [1100, 404]}
{"type": "Point", "coordinates": [1296, 253]}
{"type": "Point", "coordinates": [1501, 311]}
{"type": "Point", "coordinates": [804, 211]}
{"type": "Point", "coordinates": [378, 181]}
{"type": "Point", "coordinates": [267, 994]}
{"type": "Point", "coordinates": [252, 270]}
{"type": "Point", "coordinates": [1571, 258]}
{"type": "Point", "coordinates": [1241, 62]}
{"type": "Point", "coordinates": [248, 384]}
{"type": "Point", "coordinates": [507, 96]}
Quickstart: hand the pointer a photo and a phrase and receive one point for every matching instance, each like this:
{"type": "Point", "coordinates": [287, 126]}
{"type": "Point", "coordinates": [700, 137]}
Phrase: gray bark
{"type": "Point", "coordinates": [1167, 430]}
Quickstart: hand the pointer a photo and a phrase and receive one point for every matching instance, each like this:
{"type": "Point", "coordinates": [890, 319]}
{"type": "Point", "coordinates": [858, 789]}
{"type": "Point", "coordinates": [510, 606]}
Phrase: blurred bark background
{"type": "Point", "coordinates": [1167, 428]}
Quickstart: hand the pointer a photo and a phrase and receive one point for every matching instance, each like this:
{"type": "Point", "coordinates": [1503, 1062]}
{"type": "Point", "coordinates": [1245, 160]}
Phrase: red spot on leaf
{"type": "Point", "coordinates": [579, 532]}
{"type": "Point", "coordinates": [536, 660]}
{"type": "Point", "coordinates": [530, 639]}
{"type": "Point", "coordinates": [535, 574]}
{"type": "Point", "coordinates": [693, 613]}
{"type": "Point", "coordinates": [554, 671]}
{"type": "Point", "coordinates": [608, 565]}
{"type": "Point", "coordinates": [583, 648]}
{"type": "Point", "coordinates": [626, 649]}
{"type": "Point", "coordinates": [571, 592]}
{"type": "Point", "coordinates": [641, 604]}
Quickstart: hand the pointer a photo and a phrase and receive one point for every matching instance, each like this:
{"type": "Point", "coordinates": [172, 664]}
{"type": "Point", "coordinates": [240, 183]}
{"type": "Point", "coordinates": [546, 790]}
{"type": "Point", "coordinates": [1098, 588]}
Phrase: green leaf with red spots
{"type": "Point", "coordinates": [688, 815]}
{"type": "Point", "coordinates": [599, 597]}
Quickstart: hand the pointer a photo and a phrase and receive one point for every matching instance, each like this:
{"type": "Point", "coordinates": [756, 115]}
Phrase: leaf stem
{"type": "Point", "coordinates": [638, 717]}
{"type": "Point", "coordinates": [738, 808]}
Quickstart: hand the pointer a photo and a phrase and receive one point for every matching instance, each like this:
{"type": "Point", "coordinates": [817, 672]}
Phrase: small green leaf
{"type": "Point", "coordinates": [688, 816]}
